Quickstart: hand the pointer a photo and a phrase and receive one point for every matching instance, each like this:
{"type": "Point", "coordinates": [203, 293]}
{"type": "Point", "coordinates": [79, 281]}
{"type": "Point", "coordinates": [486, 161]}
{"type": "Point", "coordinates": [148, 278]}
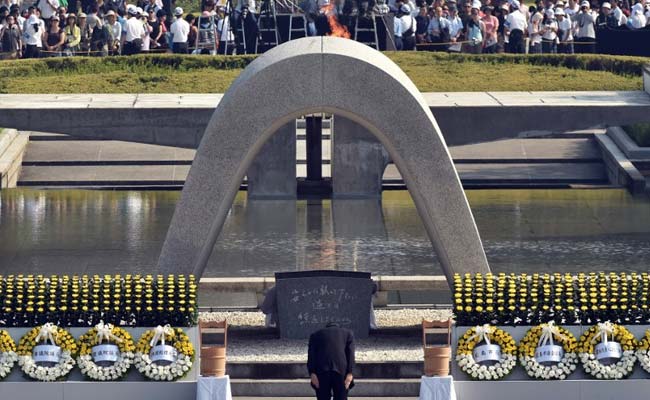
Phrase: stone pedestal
{"type": "Point", "coordinates": [358, 160]}
{"type": "Point", "coordinates": [273, 172]}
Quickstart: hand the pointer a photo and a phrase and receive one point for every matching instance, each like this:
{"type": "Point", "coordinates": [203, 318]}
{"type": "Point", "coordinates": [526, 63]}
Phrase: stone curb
{"type": "Point", "coordinates": [627, 145]}
{"type": "Point", "coordinates": [620, 169]}
{"type": "Point", "coordinates": [12, 149]}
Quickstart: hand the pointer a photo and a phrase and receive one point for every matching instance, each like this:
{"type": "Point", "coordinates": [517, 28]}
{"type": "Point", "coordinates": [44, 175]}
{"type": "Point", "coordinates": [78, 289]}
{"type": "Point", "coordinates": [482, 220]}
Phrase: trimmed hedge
{"type": "Point", "coordinates": [620, 65]}
{"type": "Point", "coordinates": [567, 299]}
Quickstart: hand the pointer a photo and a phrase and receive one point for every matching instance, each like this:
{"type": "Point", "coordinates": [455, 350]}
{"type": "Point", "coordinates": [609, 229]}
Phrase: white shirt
{"type": "Point", "coordinates": [116, 29]}
{"type": "Point", "coordinates": [567, 27]}
{"type": "Point", "coordinates": [455, 26]}
{"type": "Point", "coordinates": [251, 5]}
{"type": "Point", "coordinates": [180, 29]}
{"type": "Point", "coordinates": [46, 8]}
{"type": "Point", "coordinates": [223, 28]}
{"type": "Point", "coordinates": [549, 34]}
{"type": "Point", "coordinates": [403, 24]}
{"type": "Point", "coordinates": [516, 20]}
{"type": "Point", "coordinates": [34, 37]}
{"type": "Point", "coordinates": [134, 29]}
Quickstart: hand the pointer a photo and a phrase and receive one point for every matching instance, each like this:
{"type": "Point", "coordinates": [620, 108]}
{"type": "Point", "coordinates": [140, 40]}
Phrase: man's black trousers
{"type": "Point", "coordinates": [331, 383]}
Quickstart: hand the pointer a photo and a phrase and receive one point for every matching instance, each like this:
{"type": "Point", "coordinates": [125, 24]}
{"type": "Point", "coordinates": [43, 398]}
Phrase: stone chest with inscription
{"type": "Point", "coordinates": [308, 300]}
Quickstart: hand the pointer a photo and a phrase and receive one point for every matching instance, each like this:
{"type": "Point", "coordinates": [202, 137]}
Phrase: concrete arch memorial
{"type": "Point", "coordinates": [341, 77]}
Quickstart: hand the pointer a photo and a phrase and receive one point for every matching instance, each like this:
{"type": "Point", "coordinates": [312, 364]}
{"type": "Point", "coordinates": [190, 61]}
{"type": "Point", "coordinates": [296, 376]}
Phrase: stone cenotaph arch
{"type": "Point", "coordinates": [341, 77]}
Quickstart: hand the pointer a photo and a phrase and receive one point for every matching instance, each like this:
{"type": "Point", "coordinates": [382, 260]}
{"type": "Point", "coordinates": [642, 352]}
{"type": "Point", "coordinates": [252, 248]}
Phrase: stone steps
{"type": "Point", "coordinates": [301, 388]}
{"type": "Point", "coordinates": [57, 161]}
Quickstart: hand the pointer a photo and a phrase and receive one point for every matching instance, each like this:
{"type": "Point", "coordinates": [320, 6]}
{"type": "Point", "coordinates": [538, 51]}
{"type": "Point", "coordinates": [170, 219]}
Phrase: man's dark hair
{"type": "Point", "coordinates": [331, 325]}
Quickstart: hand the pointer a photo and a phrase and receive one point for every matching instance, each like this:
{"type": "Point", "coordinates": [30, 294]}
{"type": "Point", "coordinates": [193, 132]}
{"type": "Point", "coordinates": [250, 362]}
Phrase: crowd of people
{"type": "Point", "coordinates": [548, 26]}
{"type": "Point", "coordinates": [52, 28]}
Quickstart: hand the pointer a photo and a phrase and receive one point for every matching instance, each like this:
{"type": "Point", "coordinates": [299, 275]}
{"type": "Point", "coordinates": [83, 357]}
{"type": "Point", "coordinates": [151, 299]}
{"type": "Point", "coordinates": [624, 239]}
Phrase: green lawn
{"type": "Point", "coordinates": [430, 71]}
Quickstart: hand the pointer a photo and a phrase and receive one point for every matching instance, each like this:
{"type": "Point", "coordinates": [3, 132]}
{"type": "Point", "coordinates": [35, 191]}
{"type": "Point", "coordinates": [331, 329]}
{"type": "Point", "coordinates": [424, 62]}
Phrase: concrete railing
{"type": "Point", "coordinates": [384, 283]}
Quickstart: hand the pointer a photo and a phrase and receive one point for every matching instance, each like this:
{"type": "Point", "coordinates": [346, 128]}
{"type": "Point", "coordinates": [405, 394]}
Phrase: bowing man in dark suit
{"type": "Point", "coordinates": [330, 362]}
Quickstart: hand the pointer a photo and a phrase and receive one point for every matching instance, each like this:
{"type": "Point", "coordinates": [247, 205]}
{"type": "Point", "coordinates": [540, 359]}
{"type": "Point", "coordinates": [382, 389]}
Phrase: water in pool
{"type": "Point", "coordinates": [85, 231]}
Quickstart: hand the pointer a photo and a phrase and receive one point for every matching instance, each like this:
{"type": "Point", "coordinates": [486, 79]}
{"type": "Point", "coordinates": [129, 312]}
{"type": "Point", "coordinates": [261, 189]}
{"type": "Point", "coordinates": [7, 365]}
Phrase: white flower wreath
{"type": "Point", "coordinates": [544, 334]}
{"type": "Point", "coordinates": [165, 335]}
{"type": "Point", "coordinates": [8, 356]}
{"type": "Point", "coordinates": [488, 334]}
{"type": "Point", "coordinates": [108, 334]}
{"type": "Point", "coordinates": [55, 335]}
{"type": "Point", "coordinates": [599, 333]}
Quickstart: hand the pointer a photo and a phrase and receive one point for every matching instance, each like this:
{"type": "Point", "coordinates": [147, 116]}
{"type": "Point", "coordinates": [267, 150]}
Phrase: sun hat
{"type": "Point", "coordinates": [178, 11]}
{"type": "Point", "coordinates": [559, 11]}
{"type": "Point", "coordinates": [606, 5]}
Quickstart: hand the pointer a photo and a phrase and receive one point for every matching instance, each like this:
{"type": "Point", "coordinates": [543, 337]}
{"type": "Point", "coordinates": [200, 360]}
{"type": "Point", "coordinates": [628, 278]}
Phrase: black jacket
{"type": "Point", "coordinates": [331, 349]}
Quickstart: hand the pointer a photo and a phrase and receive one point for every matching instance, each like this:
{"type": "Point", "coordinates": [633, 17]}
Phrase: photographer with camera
{"type": "Point", "coordinates": [564, 33]}
{"type": "Point", "coordinates": [586, 33]}
{"type": "Point", "coordinates": [34, 32]}
{"type": "Point", "coordinates": [245, 17]}
{"type": "Point", "coordinates": [405, 27]}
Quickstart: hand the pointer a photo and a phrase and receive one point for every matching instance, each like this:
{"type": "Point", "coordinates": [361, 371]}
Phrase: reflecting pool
{"type": "Point", "coordinates": [84, 231]}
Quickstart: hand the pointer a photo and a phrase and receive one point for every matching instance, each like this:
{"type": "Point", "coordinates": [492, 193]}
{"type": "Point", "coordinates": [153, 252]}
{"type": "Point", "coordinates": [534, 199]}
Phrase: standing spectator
{"type": "Point", "coordinates": [330, 362]}
{"type": "Point", "coordinates": [34, 32]}
{"type": "Point", "coordinates": [502, 34]}
{"type": "Point", "coordinates": [158, 29]}
{"type": "Point", "coordinates": [438, 30]}
{"type": "Point", "coordinates": [637, 19]}
{"type": "Point", "coordinates": [549, 33]}
{"type": "Point", "coordinates": [115, 33]}
{"type": "Point", "coordinates": [72, 36]}
{"type": "Point", "coordinates": [618, 13]}
{"type": "Point", "coordinates": [146, 40]}
{"type": "Point", "coordinates": [134, 33]}
{"type": "Point", "coordinates": [86, 35]}
{"type": "Point", "coordinates": [63, 17]}
{"type": "Point", "coordinates": [405, 27]}
{"type": "Point", "coordinates": [180, 30]}
{"type": "Point", "coordinates": [475, 31]}
{"type": "Point", "coordinates": [422, 22]}
{"type": "Point", "coordinates": [535, 32]}
{"type": "Point", "coordinates": [516, 25]}
{"type": "Point", "coordinates": [455, 30]}
{"type": "Point", "coordinates": [99, 39]}
{"type": "Point", "coordinates": [224, 34]}
{"type": "Point", "coordinates": [606, 19]}
{"type": "Point", "coordinates": [564, 33]}
{"type": "Point", "coordinates": [152, 6]}
{"type": "Point", "coordinates": [11, 38]}
{"type": "Point", "coordinates": [194, 31]}
{"type": "Point", "coordinates": [54, 38]}
{"type": "Point", "coordinates": [491, 26]}
{"type": "Point", "coordinates": [586, 34]}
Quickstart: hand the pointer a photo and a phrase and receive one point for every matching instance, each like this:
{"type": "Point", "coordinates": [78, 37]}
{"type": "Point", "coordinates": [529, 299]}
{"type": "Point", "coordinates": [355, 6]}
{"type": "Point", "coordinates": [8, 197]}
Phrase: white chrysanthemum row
{"type": "Point", "coordinates": [619, 370]}
{"type": "Point", "coordinates": [483, 372]}
{"type": "Point", "coordinates": [47, 374]}
{"type": "Point", "coordinates": [7, 361]}
{"type": "Point", "coordinates": [644, 359]}
{"type": "Point", "coordinates": [110, 373]}
{"type": "Point", "coordinates": [559, 371]}
{"type": "Point", "coordinates": [175, 370]}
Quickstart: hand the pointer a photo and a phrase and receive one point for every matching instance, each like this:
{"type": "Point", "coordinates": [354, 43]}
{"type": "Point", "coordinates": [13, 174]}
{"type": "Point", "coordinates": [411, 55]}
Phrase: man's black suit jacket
{"type": "Point", "coordinates": [331, 349]}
